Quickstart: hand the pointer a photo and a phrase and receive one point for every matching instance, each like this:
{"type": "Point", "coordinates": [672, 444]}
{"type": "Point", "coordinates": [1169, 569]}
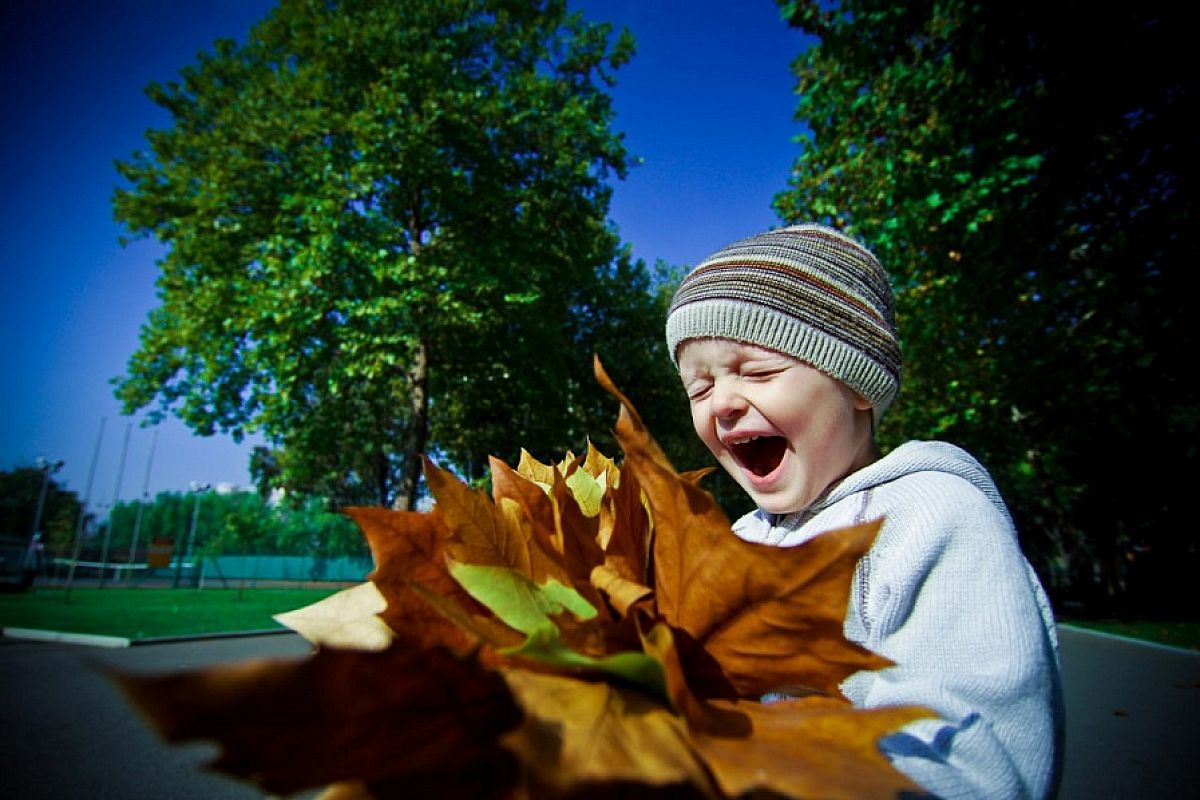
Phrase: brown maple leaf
{"type": "Point", "coordinates": [752, 618]}
{"type": "Point", "coordinates": [409, 551]}
{"type": "Point", "coordinates": [813, 746]}
{"type": "Point", "coordinates": [602, 631]}
{"type": "Point", "coordinates": [406, 714]}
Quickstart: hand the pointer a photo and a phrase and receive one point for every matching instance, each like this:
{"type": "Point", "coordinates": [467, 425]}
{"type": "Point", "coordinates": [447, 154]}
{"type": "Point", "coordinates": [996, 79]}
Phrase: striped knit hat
{"type": "Point", "coordinates": [807, 291]}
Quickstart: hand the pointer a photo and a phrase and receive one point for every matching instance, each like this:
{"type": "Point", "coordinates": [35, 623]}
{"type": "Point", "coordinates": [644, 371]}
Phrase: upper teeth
{"type": "Point", "coordinates": [743, 439]}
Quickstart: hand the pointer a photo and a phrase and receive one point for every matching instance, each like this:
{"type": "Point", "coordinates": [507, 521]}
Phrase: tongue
{"type": "Point", "coordinates": [761, 456]}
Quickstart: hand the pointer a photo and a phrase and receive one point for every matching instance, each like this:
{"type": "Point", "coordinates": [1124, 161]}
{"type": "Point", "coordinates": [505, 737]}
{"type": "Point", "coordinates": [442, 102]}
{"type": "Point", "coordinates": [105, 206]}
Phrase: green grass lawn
{"type": "Point", "coordinates": [148, 613]}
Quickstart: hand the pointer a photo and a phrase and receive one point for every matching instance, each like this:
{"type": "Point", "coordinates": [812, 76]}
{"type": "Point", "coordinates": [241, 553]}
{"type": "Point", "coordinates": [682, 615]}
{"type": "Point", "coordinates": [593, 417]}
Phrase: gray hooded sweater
{"type": "Point", "coordinates": [946, 594]}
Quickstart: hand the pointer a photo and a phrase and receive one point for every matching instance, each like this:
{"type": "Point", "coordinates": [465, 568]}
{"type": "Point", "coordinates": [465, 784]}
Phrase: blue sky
{"type": "Point", "coordinates": [707, 104]}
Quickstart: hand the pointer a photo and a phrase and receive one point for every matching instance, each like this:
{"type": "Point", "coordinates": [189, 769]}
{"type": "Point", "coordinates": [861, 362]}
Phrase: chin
{"type": "Point", "coordinates": [781, 509]}
{"type": "Point", "coordinates": [774, 505]}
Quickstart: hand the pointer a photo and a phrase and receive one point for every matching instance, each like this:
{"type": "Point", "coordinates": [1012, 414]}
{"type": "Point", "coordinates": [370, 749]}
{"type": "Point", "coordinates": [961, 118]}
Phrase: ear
{"type": "Point", "coordinates": [861, 403]}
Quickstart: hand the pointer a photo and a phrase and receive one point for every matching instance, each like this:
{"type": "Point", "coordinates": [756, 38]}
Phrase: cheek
{"type": "Point", "coordinates": [703, 426]}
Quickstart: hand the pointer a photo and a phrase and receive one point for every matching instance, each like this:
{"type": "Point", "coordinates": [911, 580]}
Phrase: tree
{"type": "Point", "coordinates": [167, 517]}
{"type": "Point", "coordinates": [1022, 170]}
{"type": "Point", "coordinates": [20, 488]}
{"type": "Point", "coordinates": [372, 209]}
{"type": "Point", "coordinates": [238, 522]}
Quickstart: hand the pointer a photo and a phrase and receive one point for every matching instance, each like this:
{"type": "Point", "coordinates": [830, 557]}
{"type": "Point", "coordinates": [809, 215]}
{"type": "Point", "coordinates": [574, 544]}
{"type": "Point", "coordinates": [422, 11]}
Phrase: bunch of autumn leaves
{"type": "Point", "coordinates": [586, 631]}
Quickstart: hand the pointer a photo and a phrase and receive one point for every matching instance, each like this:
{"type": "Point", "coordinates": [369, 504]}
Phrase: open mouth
{"type": "Point", "coordinates": [760, 455]}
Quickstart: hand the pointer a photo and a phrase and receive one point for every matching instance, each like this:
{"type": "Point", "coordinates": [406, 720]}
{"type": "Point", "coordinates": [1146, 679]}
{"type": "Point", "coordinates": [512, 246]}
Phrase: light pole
{"type": "Point", "coordinates": [116, 499]}
{"type": "Point", "coordinates": [137, 522]}
{"type": "Point", "coordinates": [48, 468]}
{"type": "Point", "coordinates": [82, 521]}
{"type": "Point", "coordinates": [197, 489]}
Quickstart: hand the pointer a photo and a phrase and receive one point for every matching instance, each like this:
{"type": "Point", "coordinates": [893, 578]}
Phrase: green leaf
{"type": "Point", "coordinates": [587, 491]}
{"type": "Point", "coordinates": [545, 645]}
{"type": "Point", "coordinates": [527, 607]}
{"type": "Point", "coordinates": [519, 602]}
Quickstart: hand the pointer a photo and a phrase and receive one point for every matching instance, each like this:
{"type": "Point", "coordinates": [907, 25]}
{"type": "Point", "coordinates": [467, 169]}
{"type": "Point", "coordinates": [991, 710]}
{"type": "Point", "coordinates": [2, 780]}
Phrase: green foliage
{"type": "Point", "coordinates": [1023, 171]}
{"type": "Point", "coordinates": [20, 488]}
{"type": "Point", "coordinates": [386, 232]}
{"type": "Point", "coordinates": [237, 523]}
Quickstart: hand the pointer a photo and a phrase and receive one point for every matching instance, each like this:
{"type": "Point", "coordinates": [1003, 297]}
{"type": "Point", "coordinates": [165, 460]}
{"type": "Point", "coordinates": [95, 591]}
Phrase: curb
{"type": "Point", "coordinates": [200, 637]}
{"type": "Point", "coordinates": [93, 640]}
{"type": "Point", "coordinates": [96, 640]}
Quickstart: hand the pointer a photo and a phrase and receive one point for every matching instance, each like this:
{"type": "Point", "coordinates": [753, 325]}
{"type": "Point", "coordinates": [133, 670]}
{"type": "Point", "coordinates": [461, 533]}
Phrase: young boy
{"type": "Point", "coordinates": [787, 347]}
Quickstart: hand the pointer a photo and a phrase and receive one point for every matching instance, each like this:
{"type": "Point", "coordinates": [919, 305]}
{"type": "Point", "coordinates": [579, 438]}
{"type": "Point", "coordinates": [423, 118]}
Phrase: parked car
{"type": "Point", "coordinates": [21, 559]}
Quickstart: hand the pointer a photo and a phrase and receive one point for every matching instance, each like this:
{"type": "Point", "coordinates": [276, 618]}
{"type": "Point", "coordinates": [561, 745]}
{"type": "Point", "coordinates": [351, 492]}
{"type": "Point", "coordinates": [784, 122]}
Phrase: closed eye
{"type": "Point", "coordinates": [762, 374]}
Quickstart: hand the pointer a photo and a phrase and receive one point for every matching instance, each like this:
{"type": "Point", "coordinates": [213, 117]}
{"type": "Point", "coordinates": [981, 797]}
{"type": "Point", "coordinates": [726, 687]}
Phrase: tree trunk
{"type": "Point", "coordinates": [418, 430]}
{"type": "Point", "coordinates": [383, 478]}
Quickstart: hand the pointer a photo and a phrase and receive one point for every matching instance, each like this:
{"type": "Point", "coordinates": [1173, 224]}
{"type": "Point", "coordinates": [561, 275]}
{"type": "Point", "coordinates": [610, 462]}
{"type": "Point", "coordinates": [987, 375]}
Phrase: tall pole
{"type": "Point", "coordinates": [115, 500]}
{"type": "Point", "coordinates": [87, 494]}
{"type": "Point", "coordinates": [137, 521]}
{"type": "Point", "coordinates": [197, 490]}
{"type": "Point", "coordinates": [48, 468]}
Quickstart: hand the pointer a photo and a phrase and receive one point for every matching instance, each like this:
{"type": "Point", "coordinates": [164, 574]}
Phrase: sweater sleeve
{"type": "Point", "coordinates": [948, 596]}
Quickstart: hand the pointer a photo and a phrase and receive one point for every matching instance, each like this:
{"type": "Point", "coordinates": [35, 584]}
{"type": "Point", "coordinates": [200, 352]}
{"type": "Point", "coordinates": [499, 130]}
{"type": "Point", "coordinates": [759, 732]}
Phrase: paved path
{"type": "Point", "coordinates": [1133, 716]}
{"type": "Point", "coordinates": [1133, 719]}
{"type": "Point", "coordinates": [66, 732]}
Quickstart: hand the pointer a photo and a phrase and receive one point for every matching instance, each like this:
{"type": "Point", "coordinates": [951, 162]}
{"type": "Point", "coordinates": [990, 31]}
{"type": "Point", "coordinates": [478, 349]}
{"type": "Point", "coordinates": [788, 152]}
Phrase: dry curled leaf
{"type": "Point", "coordinates": [586, 630]}
{"type": "Point", "coordinates": [577, 733]}
{"type": "Point", "coordinates": [339, 715]}
{"type": "Point", "coordinates": [809, 747]}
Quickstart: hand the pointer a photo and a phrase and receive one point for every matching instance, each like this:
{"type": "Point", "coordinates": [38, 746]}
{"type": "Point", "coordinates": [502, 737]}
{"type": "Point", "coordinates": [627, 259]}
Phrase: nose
{"type": "Point", "coordinates": [727, 402]}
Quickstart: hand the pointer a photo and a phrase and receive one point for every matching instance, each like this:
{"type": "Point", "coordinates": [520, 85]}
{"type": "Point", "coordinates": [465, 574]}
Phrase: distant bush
{"type": "Point", "coordinates": [234, 523]}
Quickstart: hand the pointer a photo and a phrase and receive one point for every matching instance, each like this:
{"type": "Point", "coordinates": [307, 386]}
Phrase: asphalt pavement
{"type": "Point", "coordinates": [1133, 720]}
{"type": "Point", "coordinates": [66, 731]}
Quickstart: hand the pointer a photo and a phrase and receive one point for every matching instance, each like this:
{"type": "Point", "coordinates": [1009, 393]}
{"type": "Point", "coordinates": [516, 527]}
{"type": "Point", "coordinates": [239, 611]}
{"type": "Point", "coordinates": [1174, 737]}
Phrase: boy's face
{"type": "Point", "coordinates": [784, 430]}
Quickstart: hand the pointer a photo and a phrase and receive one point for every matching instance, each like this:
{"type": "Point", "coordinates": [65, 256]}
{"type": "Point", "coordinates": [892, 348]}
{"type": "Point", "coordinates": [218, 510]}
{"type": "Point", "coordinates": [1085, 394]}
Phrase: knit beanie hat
{"type": "Point", "coordinates": [807, 291]}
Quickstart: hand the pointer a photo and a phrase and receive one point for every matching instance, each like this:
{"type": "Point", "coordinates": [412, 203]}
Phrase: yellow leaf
{"type": "Point", "coordinates": [621, 592]}
{"type": "Point", "coordinates": [532, 469]}
{"type": "Point", "coordinates": [578, 733]}
{"type": "Point", "coordinates": [349, 618]}
{"type": "Point", "coordinates": [601, 467]}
